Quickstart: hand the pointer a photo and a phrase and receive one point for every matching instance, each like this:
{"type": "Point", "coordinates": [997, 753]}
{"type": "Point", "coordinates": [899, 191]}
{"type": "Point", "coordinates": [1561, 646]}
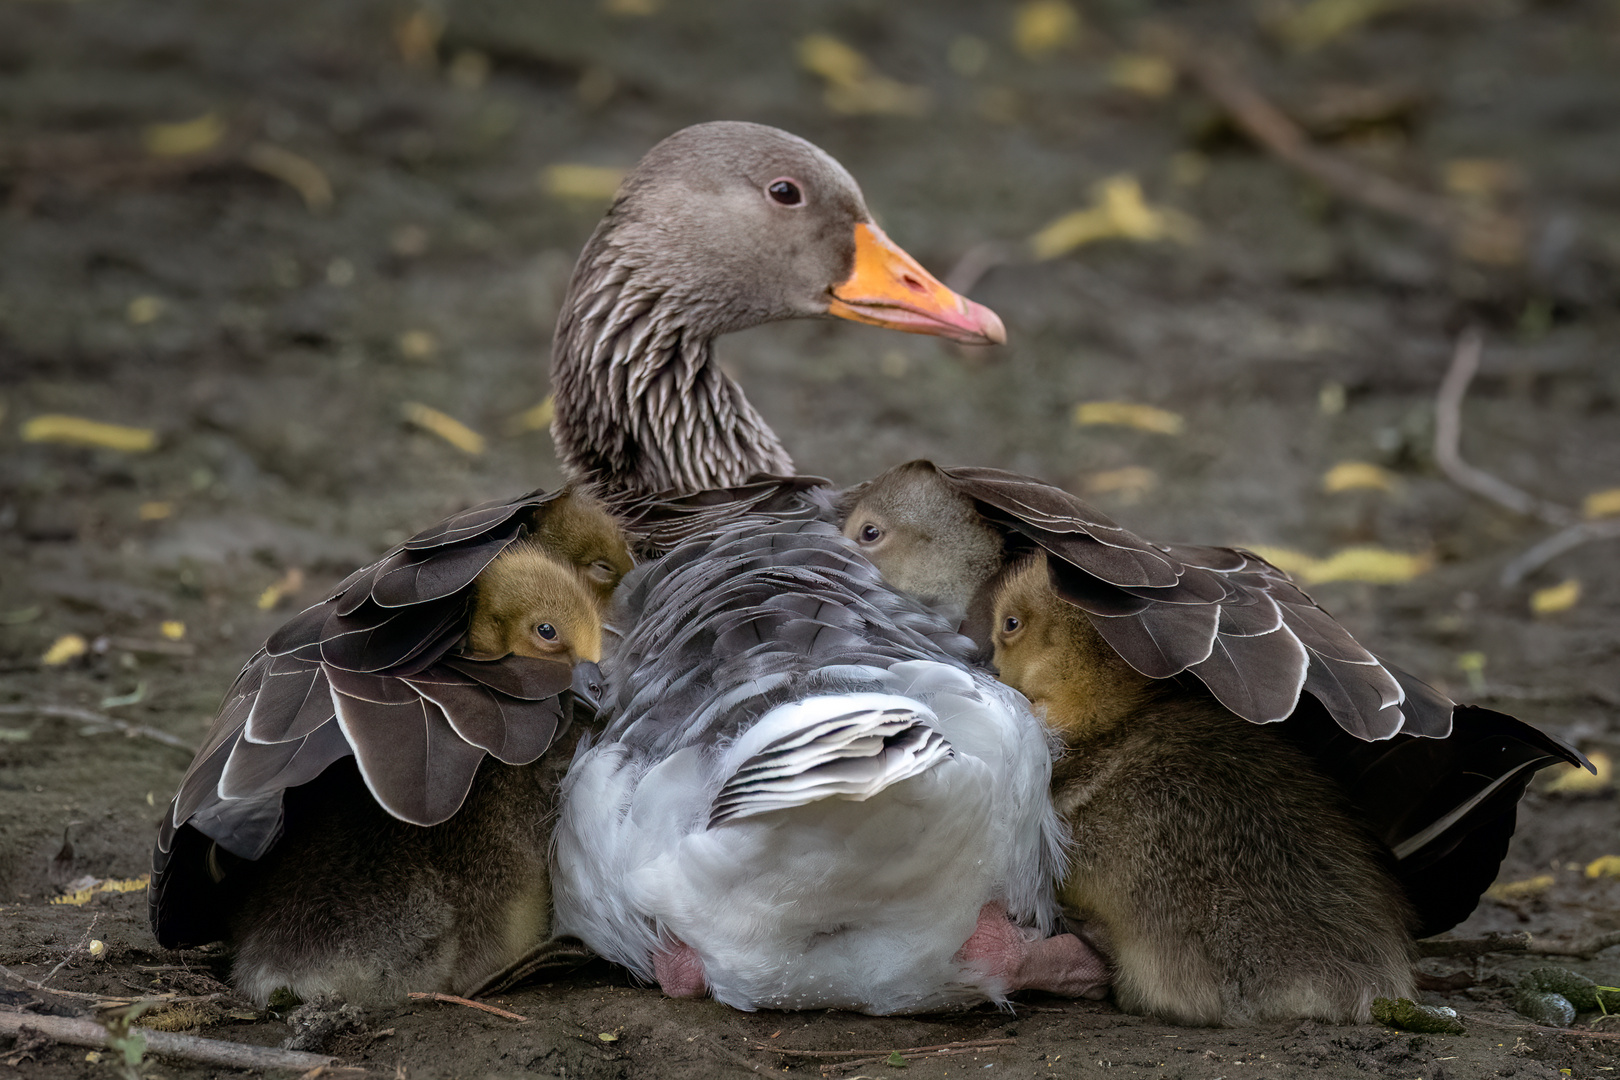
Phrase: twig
{"type": "Point", "coordinates": [1577, 1032]}
{"type": "Point", "coordinates": [88, 716]}
{"type": "Point", "coordinates": [1448, 439]}
{"type": "Point", "coordinates": [962, 1044]}
{"type": "Point", "coordinates": [78, 1032]}
{"type": "Point", "coordinates": [42, 988]}
{"type": "Point", "coordinates": [1469, 948]}
{"type": "Point", "coordinates": [861, 1063]}
{"type": "Point", "coordinates": [83, 941]}
{"type": "Point", "coordinates": [1566, 540]}
{"type": "Point", "coordinates": [454, 1000]}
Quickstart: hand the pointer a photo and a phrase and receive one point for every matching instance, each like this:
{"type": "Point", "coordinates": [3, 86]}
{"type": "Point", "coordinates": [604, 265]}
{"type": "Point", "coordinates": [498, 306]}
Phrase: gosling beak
{"type": "Point", "coordinates": [587, 685]}
{"type": "Point", "coordinates": [889, 288]}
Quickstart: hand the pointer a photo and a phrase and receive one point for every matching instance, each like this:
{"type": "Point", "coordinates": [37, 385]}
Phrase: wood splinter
{"type": "Point", "coordinates": [79, 1032]}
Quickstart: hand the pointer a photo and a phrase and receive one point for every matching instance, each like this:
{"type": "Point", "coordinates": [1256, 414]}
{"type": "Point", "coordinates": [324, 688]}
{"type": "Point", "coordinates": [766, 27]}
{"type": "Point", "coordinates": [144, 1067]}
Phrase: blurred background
{"type": "Point", "coordinates": [277, 285]}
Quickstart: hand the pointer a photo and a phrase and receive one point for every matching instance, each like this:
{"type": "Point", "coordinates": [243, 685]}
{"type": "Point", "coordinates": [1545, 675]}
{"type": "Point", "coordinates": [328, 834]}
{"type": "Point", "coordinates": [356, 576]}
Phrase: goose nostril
{"type": "Point", "coordinates": [913, 284]}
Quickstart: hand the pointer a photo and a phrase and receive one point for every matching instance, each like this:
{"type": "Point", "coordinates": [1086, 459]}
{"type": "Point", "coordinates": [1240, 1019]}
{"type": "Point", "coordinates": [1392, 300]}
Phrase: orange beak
{"type": "Point", "coordinates": [888, 288]}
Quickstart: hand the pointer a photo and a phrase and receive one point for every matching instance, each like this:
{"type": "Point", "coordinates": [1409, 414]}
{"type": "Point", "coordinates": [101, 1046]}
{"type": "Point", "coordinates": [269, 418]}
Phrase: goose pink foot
{"type": "Point", "coordinates": [680, 971]}
{"type": "Point", "coordinates": [1058, 965]}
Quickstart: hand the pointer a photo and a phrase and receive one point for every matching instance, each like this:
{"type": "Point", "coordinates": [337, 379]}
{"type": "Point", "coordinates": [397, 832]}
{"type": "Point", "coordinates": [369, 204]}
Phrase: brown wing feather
{"type": "Point", "coordinates": [367, 672]}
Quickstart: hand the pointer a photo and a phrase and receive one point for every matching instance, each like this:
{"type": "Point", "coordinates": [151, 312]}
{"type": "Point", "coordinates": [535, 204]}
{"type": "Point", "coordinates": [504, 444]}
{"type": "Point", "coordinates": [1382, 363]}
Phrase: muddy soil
{"type": "Point", "coordinates": [357, 216]}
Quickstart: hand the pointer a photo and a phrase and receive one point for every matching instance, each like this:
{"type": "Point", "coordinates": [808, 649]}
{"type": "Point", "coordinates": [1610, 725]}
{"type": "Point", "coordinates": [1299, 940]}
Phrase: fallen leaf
{"type": "Point", "coordinates": [1556, 598]}
{"type": "Point", "coordinates": [77, 431]}
{"type": "Point", "coordinates": [134, 697]}
{"type": "Point", "coordinates": [1576, 780]}
{"type": "Point", "coordinates": [1510, 891]}
{"type": "Point", "coordinates": [632, 8]}
{"type": "Point", "coordinates": [418, 345]}
{"type": "Point", "coordinates": [1351, 475]}
{"type": "Point", "coordinates": [1143, 73]}
{"type": "Point", "coordinates": [1128, 414]}
{"type": "Point", "coordinates": [535, 418]}
{"type": "Point", "coordinates": [595, 183]}
{"type": "Point", "coordinates": [184, 138]}
{"type": "Point", "coordinates": [155, 511]}
{"type": "Point", "coordinates": [607, 1036]}
{"type": "Point", "coordinates": [290, 583]}
{"type": "Point", "coordinates": [1041, 27]}
{"type": "Point", "coordinates": [14, 734]}
{"type": "Point", "coordinates": [65, 648]}
{"type": "Point", "coordinates": [294, 170]}
{"type": "Point", "coordinates": [1309, 26]}
{"type": "Point", "coordinates": [416, 36]}
{"type": "Point", "coordinates": [1483, 178]}
{"type": "Point", "coordinates": [1602, 504]}
{"type": "Point", "coordinates": [1120, 213]}
{"type": "Point", "coordinates": [80, 897]}
{"type": "Point", "coordinates": [1374, 565]}
{"type": "Point", "coordinates": [446, 427]}
{"type": "Point", "coordinates": [144, 309]}
{"type": "Point", "coordinates": [853, 88]}
{"type": "Point", "coordinates": [1129, 483]}
{"type": "Point", "coordinates": [1604, 866]}
{"type": "Point", "coordinates": [1472, 664]}
{"type": "Point", "coordinates": [173, 629]}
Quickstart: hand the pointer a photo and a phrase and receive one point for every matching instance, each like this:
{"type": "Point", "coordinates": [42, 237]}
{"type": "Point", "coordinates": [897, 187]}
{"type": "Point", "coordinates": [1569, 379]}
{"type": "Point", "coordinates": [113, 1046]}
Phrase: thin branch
{"type": "Point", "coordinates": [88, 716]}
{"type": "Point", "coordinates": [1469, 948]}
{"type": "Point", "coordinates": [964, 1044]}
{"type": "Point", "coordinates": [1448, 440]}
{"type": "Point", "coordinates": [79, 1032]}
{"type": "Point", "coordinates": [1559, 543]}
{"type": "Point", "coordinates": [454, 1000]}
{"type": "Point", "coordinates": [42, 988]}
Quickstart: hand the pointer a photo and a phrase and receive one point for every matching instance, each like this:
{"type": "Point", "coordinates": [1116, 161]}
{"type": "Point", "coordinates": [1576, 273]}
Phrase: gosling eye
{"type": "Point", "coordinates": [1011, 625]}
{"type": "Point", "coordinates": [603, 572]}
{"type": "Point", "coordinates": [546, 631]}
{"type": "Point", "coordinates": [870, 534]}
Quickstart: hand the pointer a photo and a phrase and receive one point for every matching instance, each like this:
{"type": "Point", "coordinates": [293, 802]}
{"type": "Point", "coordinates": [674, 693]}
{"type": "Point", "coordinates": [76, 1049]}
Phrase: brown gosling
{"type": "Point", "coordinates": [1225, 878]}
{"type": "Point", "coordinates": [357, 905]}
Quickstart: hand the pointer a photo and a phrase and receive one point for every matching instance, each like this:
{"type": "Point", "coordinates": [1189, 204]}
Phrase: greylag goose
{"type": "Point", "coordinates": [1438, 783]}
{"type": "Point", "coordinates": [804, 797]}
{"type": "Point", "coordinates": [367, 814]}
{"type": "Point", "coordinates": [1227, 879]}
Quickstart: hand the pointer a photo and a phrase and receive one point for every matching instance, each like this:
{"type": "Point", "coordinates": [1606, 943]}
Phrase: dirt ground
{"type": "Point", "coordinates": [351, 212]}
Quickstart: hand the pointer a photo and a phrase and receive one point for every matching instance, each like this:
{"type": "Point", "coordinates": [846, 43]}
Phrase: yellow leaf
{"type": "Point", "coordinates": [853, 88]}
{"type": "Point", "coordinates": [1044, 26]}
{"type": "Point", "coordinates": [1604, 866]}
{"type": "Point", "coordinates": [535, 418]}
{"type": "Point", "coordinates": [1127, 414]}
{"type": "Point", "coordinates": [594, 183]}
{"type": "Point", "coordinates": [1482, 178]}
{"type": "Point", "coordinates": [1509, 891]}
{"type": "Point", "coordinates": [290, 583]}
{"type": "Point", "coordinates": [1576, 780]}
{"type": "Point", "coordinates": [1556, 598]}
{"type": "Point", "coordinates": [186, 137]}
{"type": "Point", "coordinates": [65, 648]}
{"type": "Point", "coordinates": [173, 629]}
{"type": "Point", "coordinates": [1350, 475]}
{"type": "Point", "coordinates": [143, 309]}
{"type": "Point", "coordinates": [1120, 213]}
{"type": "Point", "coordinates": [1143, 73]}
{"type": "Point", "coordinates": [418, 345]}
{"type": "Point", "coordinates": [1314, 24]}
{"type": "Point", "coordinates": [1129, 483]}
{"type": "Point", "coordinates": [1602, 504]}
{"type": "Point", "coordinates": [632, 8]}
{"type": "Point", "coordinates": [448, 428]}
{"type": "Point", "coordinates": [294, 170]}
{"type": "Point", "coordinates": [156, 511]}
{"type": "Point", "coordinates": [77, 431]}
{"type": "Point", "coordinates": [1374, 565]}
{"type": "Point", "coordinates": [607, 1036]}
{"type": "Point", "coordinates": [117, 885]}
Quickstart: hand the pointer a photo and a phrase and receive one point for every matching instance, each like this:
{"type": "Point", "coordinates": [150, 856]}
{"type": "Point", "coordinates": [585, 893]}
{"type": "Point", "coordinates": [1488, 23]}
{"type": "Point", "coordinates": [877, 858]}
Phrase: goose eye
{"type": "Point", "coordinates": [870, 533]}
{"type": "Point", "coordinates": [785, 191]}
{"type": "Point", "coordinates": [546, 631]}
{"type": "Point", "coordinates": [1011, 625]}
{"type": "Point", "coordinates": [601, 571]}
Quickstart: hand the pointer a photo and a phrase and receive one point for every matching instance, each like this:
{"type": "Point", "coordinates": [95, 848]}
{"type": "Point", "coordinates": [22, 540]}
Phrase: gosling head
{"type": "Point", "coordinates": [925, 537]}
{"type": "Point", "coordinates": [579, 532]}
{"type": "Point", "coordinates": [530, 603]}
{"type": "Point", "coordinates": [1047, 650]}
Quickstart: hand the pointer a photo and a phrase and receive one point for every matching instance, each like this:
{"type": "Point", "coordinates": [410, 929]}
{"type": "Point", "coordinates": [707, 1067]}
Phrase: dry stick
{"type": "Point", "coordinates": [1448, 440]}
{"type": "Point", "coordinates": [87, 716]}
{"type": "Point", "coordinates": [1565, 540]}
{"type": "Point", "coordinates": [861, 1063]}
{"type": "Point", "coordinates": [1469, 948]}
{"type": "Point", "coordinates": [452, 999]}
{"type": "Point", "coordinates": [964, 1044]}
{"type": "Point", "coordinates": [77, 1032]}
{"type": "Point", "coordinates": [42, 988]}
{"type": "Point", "coordinates": [1577, 1032]}
{"type": "Point", "coordinates": [1267, 125]}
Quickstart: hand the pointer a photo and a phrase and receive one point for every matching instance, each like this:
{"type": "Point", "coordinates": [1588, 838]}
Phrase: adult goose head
{"type": "Point", "coordinates": [721, 227]}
